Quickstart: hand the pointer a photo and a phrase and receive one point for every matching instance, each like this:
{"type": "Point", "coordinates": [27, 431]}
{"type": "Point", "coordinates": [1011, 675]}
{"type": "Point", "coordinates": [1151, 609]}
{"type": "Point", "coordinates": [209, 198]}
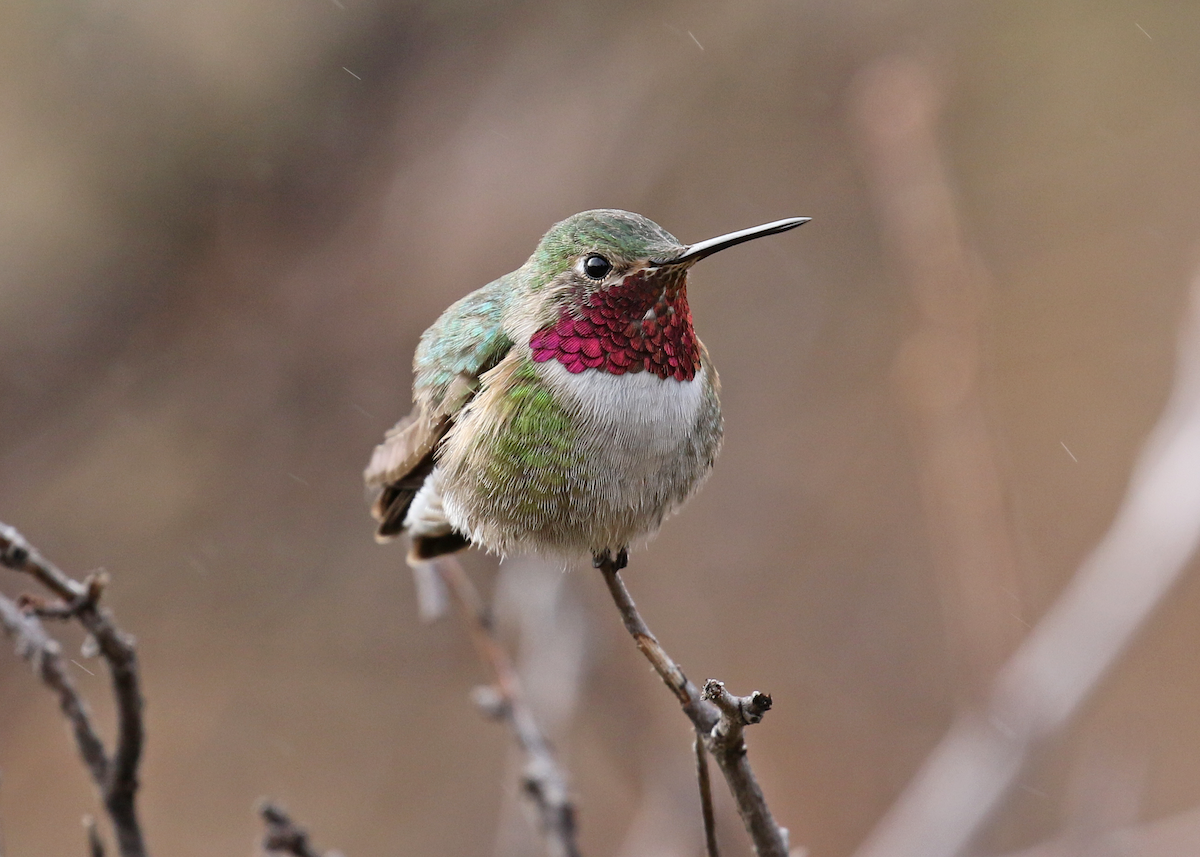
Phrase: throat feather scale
{"type": "Point", "coordinates": [642, 324]}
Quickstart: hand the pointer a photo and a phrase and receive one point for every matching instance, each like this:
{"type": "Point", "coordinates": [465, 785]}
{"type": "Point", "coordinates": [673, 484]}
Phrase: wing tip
{"type": "Point", "coordinates": [425, 548]}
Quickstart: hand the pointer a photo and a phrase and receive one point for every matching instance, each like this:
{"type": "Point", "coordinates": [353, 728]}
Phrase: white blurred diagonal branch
{"type": "Point", "coordinates": [1042, 685]}
{"type": "Point", "coordinates": [544, 782]}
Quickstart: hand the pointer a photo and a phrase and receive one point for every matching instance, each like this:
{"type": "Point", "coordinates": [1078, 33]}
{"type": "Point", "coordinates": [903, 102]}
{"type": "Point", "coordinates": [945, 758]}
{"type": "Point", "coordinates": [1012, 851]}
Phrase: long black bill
{"type": "Point", "coordinates": [696, 252]}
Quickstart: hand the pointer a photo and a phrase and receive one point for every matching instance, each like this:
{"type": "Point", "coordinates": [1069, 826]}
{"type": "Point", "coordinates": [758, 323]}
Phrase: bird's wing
{"type": "Point", "coordinates": [465, 342]}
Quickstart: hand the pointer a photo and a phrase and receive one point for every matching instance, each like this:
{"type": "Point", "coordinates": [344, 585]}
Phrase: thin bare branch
{"type": "Point", "coordinates": [703, 714]}
{"type": "Point", "coordinates": [45, 657]}
{"type": "Point", "coordinates": [19, 555]}
{"type": "Point", "coordinates": [94, 585]}
{"type": "Point", "coordinates": [706, 801]}
{"type": "Point", "coordinates": [543, 781]}
{"type": "Point", "coordinates": [115, 776]}
{"type": "Point", "coordinates": [770, 840]}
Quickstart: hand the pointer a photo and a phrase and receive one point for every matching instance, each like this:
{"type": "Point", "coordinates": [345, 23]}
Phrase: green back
{"type": "Point", "coordinates": [467, 339]}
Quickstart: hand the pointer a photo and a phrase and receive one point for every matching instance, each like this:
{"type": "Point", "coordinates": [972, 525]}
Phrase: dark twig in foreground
{"type": "Point", "coordinates": [115, 775]}
{"type": "Point", "coordinates": [95, 843]}
{"type": "Point", "coordinates": [283, 835]}
{"type": "Point", "coordinates": [45, 656]}
{"type": "Point", "coordinates": [543, 781]}
{"type": "Point", "coordinates": [706, 801]}
{"type": "Point", "coordinates": [770, 840]}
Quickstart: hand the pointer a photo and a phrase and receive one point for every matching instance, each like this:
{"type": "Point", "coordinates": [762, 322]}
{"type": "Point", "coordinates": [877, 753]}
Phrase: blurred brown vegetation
{"type": "Point", "coordinates": [224, 225]}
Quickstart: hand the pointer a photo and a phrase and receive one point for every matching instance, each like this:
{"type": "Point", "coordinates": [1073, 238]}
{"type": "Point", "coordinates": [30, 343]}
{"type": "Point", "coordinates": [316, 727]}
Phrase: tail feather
{"type": "Point", "coordinates": [428, 547]}
{"type": "Point", "coordinates": [405, 448]}
{"type": "Point", "coordinates": [400, 469]}
{"type": "Point", "coordinates": [432, 536]}
{"type": "Point", "coordinates": [395, 498]}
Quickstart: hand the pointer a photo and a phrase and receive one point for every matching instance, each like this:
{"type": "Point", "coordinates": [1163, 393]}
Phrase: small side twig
{"type": "Point", "coordinates": [283, 835]}
{"type": "Point", "coordinates": [68, 608]}
{"type": "Point", "coordinates": [543, 782]}
{"type": "Point", "coordinates": [737, 712]}
{"type": "Point", "coordinates": [706, 801]}
{"type": "Point", "coordinates": [115, 775]}
{"type": "Point", "coordinates": [769, 839]}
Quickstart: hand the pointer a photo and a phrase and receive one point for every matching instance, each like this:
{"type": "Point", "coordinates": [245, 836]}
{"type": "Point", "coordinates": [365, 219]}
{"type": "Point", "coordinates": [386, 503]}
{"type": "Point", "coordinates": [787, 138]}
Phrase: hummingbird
{"type": "Point", "coordinates": [567, 407]}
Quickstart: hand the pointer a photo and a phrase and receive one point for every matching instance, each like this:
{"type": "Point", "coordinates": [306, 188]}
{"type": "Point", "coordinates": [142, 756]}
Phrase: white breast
{"type": "Point", "coordinates": [641, 411]}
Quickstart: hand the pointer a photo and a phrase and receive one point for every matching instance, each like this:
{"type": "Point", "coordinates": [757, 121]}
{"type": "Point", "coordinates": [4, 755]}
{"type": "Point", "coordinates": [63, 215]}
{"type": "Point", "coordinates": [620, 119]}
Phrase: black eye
{"type": "Point", "coordinates": [596, 266]}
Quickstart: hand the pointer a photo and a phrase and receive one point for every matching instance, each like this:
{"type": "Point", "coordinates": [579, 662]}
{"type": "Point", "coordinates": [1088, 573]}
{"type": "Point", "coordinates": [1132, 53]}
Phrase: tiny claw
{"type": "Point", "coordinates": [599, 560]}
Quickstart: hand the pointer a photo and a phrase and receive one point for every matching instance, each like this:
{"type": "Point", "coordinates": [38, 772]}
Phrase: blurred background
{"type": "Point", "coordinates": [224, 225]}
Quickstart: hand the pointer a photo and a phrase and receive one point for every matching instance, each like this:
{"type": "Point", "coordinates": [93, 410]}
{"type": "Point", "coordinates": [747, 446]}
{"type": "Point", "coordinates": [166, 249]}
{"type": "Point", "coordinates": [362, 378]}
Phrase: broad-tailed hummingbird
{"type": "Point", "coordinates": [567, 407]}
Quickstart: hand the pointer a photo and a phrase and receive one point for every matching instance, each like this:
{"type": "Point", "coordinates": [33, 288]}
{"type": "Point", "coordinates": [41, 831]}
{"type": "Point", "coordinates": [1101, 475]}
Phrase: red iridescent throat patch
{"type": "Point", "coordinates": [643, 324]}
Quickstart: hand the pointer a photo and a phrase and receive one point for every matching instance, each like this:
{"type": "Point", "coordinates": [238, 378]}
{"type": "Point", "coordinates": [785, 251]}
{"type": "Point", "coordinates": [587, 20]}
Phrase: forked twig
{"type": "Point", "coordinates": [710, 720]}
{"type": "Point", "coordinates": [45, 656]}
{"type": "Point", "coordinates": [737, 712]}
{"type": "Point", "coordinates": [115, 775]}
{"type": "Point", "coordinates": [543, 781]}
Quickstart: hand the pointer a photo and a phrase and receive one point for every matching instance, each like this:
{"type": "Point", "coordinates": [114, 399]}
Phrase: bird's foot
{"type": "Point", "coordinates": [619, 562]}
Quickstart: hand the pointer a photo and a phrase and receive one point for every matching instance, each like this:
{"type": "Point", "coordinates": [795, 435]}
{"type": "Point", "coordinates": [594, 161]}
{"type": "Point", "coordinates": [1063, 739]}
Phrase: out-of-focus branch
{"type": "Point", "coordinates": [45, 656]}
{"type": "Point", "coordinates": [1166, 837]}
{"type": "Point", "coordinates": [533, 598]}
{"type": "Point", "coordinates": [664, 813]}
{"type": "Point", "coordinates": [95, 843]}
{"type": "Point", "coordinates": [938, 366]}
{"type": "Point", "coordinates": [115, 775]}
{"type": "Point", "coordinates": [283, 835]}
{"type": "Point", "coordinates": [770, 840]}
{"type": "Point", "coordinates": [544, 782]}
{"type": "Point", "coordinates": [1114, 592]}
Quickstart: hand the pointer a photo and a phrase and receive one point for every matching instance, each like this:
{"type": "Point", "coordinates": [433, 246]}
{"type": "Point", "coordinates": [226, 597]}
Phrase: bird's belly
{"type": "Point", "coordinates": [632, 426]}
{"type": "Point", "coordinates": [613, 456]}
